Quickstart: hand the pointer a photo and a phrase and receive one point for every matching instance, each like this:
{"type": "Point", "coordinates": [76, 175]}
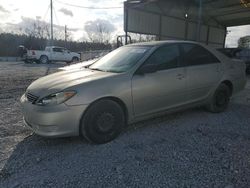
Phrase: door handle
{"type": "Point", "coordinates": [180, 76]}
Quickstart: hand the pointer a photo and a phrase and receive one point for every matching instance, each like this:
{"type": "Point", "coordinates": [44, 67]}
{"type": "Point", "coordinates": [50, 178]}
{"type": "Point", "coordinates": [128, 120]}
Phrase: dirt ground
{"type": "Point", "coordinates": [192, 148]}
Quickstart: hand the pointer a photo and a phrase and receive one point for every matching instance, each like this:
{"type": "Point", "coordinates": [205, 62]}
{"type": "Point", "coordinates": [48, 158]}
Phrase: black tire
{"type": "Point", "coordinates": [103, 122]}
{"type": "Point", "coordinates": [44, 59]}
{"type": "Point", "coordinates": [220, 99]}
{"type": "Point", "coordinates": [27, 61]}
{"type": "Point", "coordinates": [248, 70]}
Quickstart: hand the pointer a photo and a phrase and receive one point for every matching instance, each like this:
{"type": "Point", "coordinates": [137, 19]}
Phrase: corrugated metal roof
{"type": "Point", "coordinates": [228, 12]}
{"type": "Point", "coordinates": [224, 12]}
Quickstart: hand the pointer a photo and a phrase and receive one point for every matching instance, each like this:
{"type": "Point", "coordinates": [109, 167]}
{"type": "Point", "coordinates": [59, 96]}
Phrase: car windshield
{"type": "Point", "coordinates": [120, 60]}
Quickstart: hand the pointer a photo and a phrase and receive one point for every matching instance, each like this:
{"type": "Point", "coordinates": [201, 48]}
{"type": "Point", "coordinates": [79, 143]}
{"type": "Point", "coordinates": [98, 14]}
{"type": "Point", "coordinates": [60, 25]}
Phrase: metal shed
{"type": "Point", "coordinates": [205, 21]}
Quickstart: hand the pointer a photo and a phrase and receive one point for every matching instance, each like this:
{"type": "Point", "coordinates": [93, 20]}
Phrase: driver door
{"type": "Point", "coordinates": [163, 88]}
{"type": "Point", "coordinates": [58, 54]}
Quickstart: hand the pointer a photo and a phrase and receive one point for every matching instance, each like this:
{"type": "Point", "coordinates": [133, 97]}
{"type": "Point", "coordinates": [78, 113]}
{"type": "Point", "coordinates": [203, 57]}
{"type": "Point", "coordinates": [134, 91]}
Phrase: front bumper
{"type": "Point", "coordinates": [52, 121]}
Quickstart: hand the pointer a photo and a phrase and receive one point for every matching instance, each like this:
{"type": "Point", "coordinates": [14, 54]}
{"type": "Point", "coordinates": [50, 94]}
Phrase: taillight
{"type": "Point", "coordinates": [33, 53]}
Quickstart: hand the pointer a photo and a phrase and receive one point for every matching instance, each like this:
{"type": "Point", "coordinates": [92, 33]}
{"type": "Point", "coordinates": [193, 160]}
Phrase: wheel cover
{"type": "Point", "coordinates": [43, 59]}
{"type": "Point", "coordinates": [105, 122]}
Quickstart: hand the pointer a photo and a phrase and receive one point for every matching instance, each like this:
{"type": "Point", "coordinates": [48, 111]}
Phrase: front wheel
{"type": "Point", "coordinates": [103, 122]}
{"type": "Point", "coordinates": [75, 59]}
{"type": "Point", "coordinates": [220, 100]}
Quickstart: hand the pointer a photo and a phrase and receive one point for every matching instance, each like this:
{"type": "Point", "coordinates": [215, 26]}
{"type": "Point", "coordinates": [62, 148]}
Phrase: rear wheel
{"type": "Point", "coordinates": [220, 100]}
{"type": "Point", "coordinates": [43, 59]}
{"type": "Point", "coordinates": [27, 61]}
{"type": "Point", "coordinates": [102, 122]}
{"type": "Point", "coordinates": [248, 70]}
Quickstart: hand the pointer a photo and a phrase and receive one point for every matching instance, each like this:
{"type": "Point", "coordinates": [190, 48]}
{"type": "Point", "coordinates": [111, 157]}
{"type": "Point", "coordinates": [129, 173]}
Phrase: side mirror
{"type": "Point", "coordinates": [150, 68]}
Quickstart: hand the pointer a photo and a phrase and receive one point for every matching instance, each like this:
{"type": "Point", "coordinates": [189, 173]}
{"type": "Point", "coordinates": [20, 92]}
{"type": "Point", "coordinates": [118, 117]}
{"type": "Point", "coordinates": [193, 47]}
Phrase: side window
{"type": "Point", "coordinates": [166, 57]}
{"type": "Point", "coordinates": [57, 49]}
{"type": "Point", "coordinates": [197, 55]}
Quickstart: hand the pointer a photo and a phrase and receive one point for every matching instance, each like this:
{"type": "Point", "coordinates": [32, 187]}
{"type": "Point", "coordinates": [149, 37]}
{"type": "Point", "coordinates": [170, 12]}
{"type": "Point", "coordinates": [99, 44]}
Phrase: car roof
{"type": "Point", "coordinates": [54, 47]}
{"type": "Point", "coordinates": [160, 43]}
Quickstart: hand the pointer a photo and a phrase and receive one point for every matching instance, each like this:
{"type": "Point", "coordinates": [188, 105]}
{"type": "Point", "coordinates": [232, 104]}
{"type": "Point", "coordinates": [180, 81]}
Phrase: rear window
{"type": "Point", "coordinates": [226, 52]}
{"type": "Point", "coordinates": [58, 49]}
{"type": "Point", "coordinates": [197, 55]}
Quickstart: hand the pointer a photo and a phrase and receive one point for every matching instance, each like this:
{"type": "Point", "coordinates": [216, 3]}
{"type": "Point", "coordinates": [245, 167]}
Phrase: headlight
{"type": "Point", "coordinates": [56, 98]}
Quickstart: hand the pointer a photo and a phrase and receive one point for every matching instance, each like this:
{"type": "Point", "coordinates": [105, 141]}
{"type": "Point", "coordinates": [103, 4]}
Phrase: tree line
{"type": "Point", "coordinates": [9, 44]}
{"type": "Point", "coordinates": [244, 42]}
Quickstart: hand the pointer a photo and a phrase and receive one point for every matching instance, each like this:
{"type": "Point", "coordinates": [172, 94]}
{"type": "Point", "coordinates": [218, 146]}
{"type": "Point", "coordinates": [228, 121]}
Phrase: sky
{"type": "Point", "coordinates": [16, 13]}
{"type": "Point", "coordinates": [234, 33]}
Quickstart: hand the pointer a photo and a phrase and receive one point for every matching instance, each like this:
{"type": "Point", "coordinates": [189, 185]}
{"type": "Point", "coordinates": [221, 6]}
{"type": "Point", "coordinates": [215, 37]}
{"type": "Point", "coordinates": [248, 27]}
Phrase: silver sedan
{"type": "Point", "coordinates": [131, 84]}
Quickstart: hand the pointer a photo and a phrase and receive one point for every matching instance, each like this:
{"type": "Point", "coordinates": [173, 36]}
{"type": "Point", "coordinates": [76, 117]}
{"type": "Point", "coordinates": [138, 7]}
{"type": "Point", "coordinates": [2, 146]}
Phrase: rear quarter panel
{"type": "Point", "coordinates": [35, 54]}
{"type": "Point", "coordinates": [234, 71]}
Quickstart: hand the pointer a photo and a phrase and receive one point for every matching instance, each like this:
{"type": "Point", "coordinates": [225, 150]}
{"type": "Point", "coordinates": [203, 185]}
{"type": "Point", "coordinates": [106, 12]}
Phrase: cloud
{"type": "Point", "coordinates": [2, 9]}
{"type": "Point", "coordinates": [114, 18]}
{"type": "Point", "coordinates": [66, 12]}
{"type": "Point", "coordinates": [26, 26]}
{"type": "Point", "coordinates": [106, 3]}
{"type": "Point", "coordinates": [99, 30]}
{"type": "Point", "coordinates": [4, 14]}
{"type": "Point", "coordinates": [94, 26]}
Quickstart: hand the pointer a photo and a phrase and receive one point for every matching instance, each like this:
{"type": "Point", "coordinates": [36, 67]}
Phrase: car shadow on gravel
{"type": "Point", "coordinates": [192, 148]}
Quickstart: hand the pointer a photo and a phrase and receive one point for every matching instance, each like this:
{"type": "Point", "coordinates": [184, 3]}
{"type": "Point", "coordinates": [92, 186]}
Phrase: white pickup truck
{"type": "Point", "coordinates": [52, 53]}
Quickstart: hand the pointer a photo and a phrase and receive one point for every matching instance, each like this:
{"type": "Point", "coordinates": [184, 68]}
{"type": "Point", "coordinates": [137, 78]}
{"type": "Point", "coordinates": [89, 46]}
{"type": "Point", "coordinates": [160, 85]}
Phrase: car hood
{"type": "Point", "coordinates": [62, 80]}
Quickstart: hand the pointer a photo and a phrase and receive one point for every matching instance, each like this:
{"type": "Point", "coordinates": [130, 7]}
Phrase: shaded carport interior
{"type": "Point", "coordinates": [205, 21]}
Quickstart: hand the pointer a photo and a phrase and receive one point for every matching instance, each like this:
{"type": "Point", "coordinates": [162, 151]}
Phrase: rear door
{"type": "Point", "coordinates": [162, 89]}
{"type": "Point", "coordinates": [203, 70]}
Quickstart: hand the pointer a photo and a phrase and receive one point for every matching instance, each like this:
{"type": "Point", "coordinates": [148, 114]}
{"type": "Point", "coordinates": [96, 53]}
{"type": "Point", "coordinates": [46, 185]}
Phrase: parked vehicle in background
{"type": "Point", "coordinates": [238, 53]}
{"type": "Point", "coordinates": [132, 83]}
{"type": "Point", "coordinates": [52, 54]}
{"type": "Point", "coordinates": [22, 52]}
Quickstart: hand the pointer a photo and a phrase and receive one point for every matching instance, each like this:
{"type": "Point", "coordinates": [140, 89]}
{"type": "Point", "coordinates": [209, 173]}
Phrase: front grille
{"type": "Point", "coordinates": [31, 98]}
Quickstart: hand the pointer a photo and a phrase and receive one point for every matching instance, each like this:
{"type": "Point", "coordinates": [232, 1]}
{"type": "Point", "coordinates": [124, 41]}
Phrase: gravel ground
{"type": "Point", "coordinates": [192, 148]}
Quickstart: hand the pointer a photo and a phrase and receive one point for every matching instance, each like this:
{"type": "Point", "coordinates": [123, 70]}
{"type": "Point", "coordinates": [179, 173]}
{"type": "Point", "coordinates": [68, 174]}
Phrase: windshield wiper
{"type": "Point", "coordinates": [96, 69]}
